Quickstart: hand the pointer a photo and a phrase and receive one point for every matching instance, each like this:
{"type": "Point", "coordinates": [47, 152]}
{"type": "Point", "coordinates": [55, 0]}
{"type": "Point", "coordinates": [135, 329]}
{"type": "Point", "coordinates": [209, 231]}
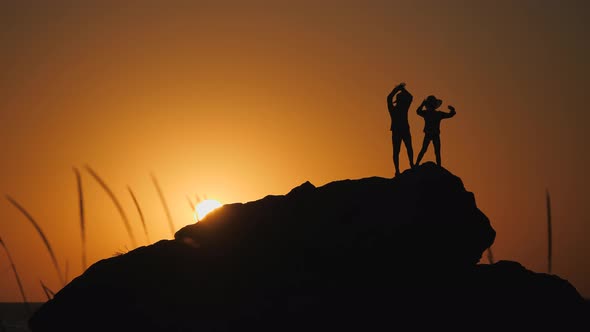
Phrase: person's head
{"type": "Point", "coordinates": [432, 102]}
{"type": "Point", "coordinates": [403, 97]}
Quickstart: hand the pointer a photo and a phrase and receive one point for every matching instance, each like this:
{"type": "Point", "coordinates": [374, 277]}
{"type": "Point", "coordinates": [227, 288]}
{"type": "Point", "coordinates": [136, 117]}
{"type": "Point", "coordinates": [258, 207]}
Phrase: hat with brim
{"type": "Point", "coordinates": [433, 101]}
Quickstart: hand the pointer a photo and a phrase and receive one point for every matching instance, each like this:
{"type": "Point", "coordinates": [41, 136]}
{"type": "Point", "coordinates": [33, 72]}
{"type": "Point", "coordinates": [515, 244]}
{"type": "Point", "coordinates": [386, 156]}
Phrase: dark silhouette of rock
{"type": "Point", "coordinates": [368, 254]}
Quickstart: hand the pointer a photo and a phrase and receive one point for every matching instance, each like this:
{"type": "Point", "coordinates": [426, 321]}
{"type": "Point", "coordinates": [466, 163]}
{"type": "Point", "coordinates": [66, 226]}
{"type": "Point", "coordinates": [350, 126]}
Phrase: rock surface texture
{"type": "Point", "coordinates": [356, 255]}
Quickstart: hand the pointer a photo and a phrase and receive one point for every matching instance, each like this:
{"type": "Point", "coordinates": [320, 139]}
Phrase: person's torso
{"type": "Point", "coordinates": [399, 117]}
{"type": "Point", "coordinates": [432, 121]}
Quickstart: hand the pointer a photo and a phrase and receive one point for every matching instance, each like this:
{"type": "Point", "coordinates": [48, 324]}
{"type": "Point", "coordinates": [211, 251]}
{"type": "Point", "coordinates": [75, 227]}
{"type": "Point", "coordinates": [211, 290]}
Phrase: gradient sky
{"type": "Point", "coordinates": [235, 100]}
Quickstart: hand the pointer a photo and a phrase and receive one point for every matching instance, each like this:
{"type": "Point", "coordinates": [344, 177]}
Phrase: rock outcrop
{"type": "Point", "coordinates": [368, 254]}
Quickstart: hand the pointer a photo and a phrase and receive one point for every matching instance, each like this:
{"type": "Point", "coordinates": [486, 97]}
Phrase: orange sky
{"type": "Point", "coordinates": [237, 101]}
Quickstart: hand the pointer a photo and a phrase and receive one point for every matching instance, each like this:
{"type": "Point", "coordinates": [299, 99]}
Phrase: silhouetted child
{"type": "Point", "coordinates": [400, 128]}
{"type": "Point", "coordinates": [432, 118]}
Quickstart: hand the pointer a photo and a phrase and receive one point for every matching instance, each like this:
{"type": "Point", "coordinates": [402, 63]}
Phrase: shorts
{"type": "Point", "coordinates": [400, 133]}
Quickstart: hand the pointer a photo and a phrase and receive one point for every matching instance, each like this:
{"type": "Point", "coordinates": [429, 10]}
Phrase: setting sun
{"type": "Point", "coordinates": [204, 207]}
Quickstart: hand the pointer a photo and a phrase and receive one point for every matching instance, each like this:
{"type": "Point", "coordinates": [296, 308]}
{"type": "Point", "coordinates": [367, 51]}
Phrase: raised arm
{"type": "Point", "coordinates": [449, 115]}
{"type": "Point", "coordinates": [395, 90]}
{"type": "Point", "coordinates": [420, 110]}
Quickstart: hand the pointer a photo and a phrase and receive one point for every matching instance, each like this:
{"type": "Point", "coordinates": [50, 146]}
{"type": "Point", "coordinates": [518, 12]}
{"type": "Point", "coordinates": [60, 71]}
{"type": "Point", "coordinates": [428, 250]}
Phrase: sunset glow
{"type": "Point", "coordinates": [242, 99]}
{"type": "Point", "coordinates": [204, 207]}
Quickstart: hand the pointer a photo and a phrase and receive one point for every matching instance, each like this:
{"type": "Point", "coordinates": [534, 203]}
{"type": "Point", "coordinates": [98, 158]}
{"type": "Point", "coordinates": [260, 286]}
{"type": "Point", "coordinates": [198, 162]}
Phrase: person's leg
{"type": "Point", "coordinates": [424, 147]}
{"type": "Point", "coordinates": [409, 149]}
{"type": "Point", "coordinates": [436, 143]}
{"type": "Point", "coordinates": [397, 142]}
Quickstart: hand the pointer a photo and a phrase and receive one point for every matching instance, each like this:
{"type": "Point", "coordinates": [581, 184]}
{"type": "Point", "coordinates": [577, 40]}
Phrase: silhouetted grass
{"type": "Point", "coordinates": [193, 208]}
{"type": "Point", "coordinates": [549, 235]}
{"type": "Point", "coordinates": [82, 221]}
{"type": "Point", "coordinates": [140, 214]}
{"type": "Point", "coordinates": [163, 200]}
{"type": "Point", "coordinates": [117, 204]}
{"type": "Point", "coordinates": [18, 281]}
{"type": "Point", "coordinates": [48, 292]}
{"type": "Point", "coordinates": [190, 203]}
{"type": "Point", "coordinates": [43, 237]}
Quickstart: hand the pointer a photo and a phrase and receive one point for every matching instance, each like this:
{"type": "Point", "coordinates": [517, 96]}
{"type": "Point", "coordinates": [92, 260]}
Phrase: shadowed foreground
{"type": "Point", "coordinates": [368, 254]}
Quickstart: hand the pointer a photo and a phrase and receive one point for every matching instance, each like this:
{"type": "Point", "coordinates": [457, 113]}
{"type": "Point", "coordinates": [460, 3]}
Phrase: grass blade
{"type": "Point", "coordinates": [82, 221]}
{"type": "Point", "coordinates": [43, 237]}
{"type": "Point", "coordinates": [116, 202]}
{"type": "Point", "coordinates": [163, 200]}
{"type": "Point", "coordinates": [48, 292]}
{"type": "Point", "coordinates": [190, 203]}
{"type": "Point", "coordinates": [549, 235]}
{"type": "Point", "coordinates": [140, 214]}
{"type": "Point", "coordinates": [193, 208]}
{"type": "Point", "coordinates": [18, 281]}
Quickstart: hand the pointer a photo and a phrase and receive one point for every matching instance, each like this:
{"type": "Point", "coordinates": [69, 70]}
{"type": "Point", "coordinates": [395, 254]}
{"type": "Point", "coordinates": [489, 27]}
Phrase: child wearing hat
{"type": "Point", "coordinates": [432, 118]}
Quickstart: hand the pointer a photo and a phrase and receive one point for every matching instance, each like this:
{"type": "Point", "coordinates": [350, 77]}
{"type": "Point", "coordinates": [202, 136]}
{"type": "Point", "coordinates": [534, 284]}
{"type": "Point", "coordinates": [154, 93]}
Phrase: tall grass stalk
{"type": "Point", "coordinates": [190, 203]}
{"type": "Point", "coordinates": [82, 221]}
{"type": "Point", "coordinates": [43, 237]}
{"type": "Point", "coordinates": [48, 292]}
{"type": "Point", "coordinates": [163, 200]}
{"type": "Point", "coordinates": [140, 214]}
{"type": "Point", "coordinates": [117, 204]}
{"type": "Point", "coordinates": [549, 234]}
{"type": "Point", "coordinates": [193, 208]}
{"type": "Point", "coordinates": [18, 281]}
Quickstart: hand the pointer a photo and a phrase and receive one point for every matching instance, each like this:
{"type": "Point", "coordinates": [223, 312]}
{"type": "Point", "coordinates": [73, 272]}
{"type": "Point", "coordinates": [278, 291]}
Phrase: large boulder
{"type": "Point", "coordinates": [423, 215]}
{"type": "Point", "coordinates": [364, 254]}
